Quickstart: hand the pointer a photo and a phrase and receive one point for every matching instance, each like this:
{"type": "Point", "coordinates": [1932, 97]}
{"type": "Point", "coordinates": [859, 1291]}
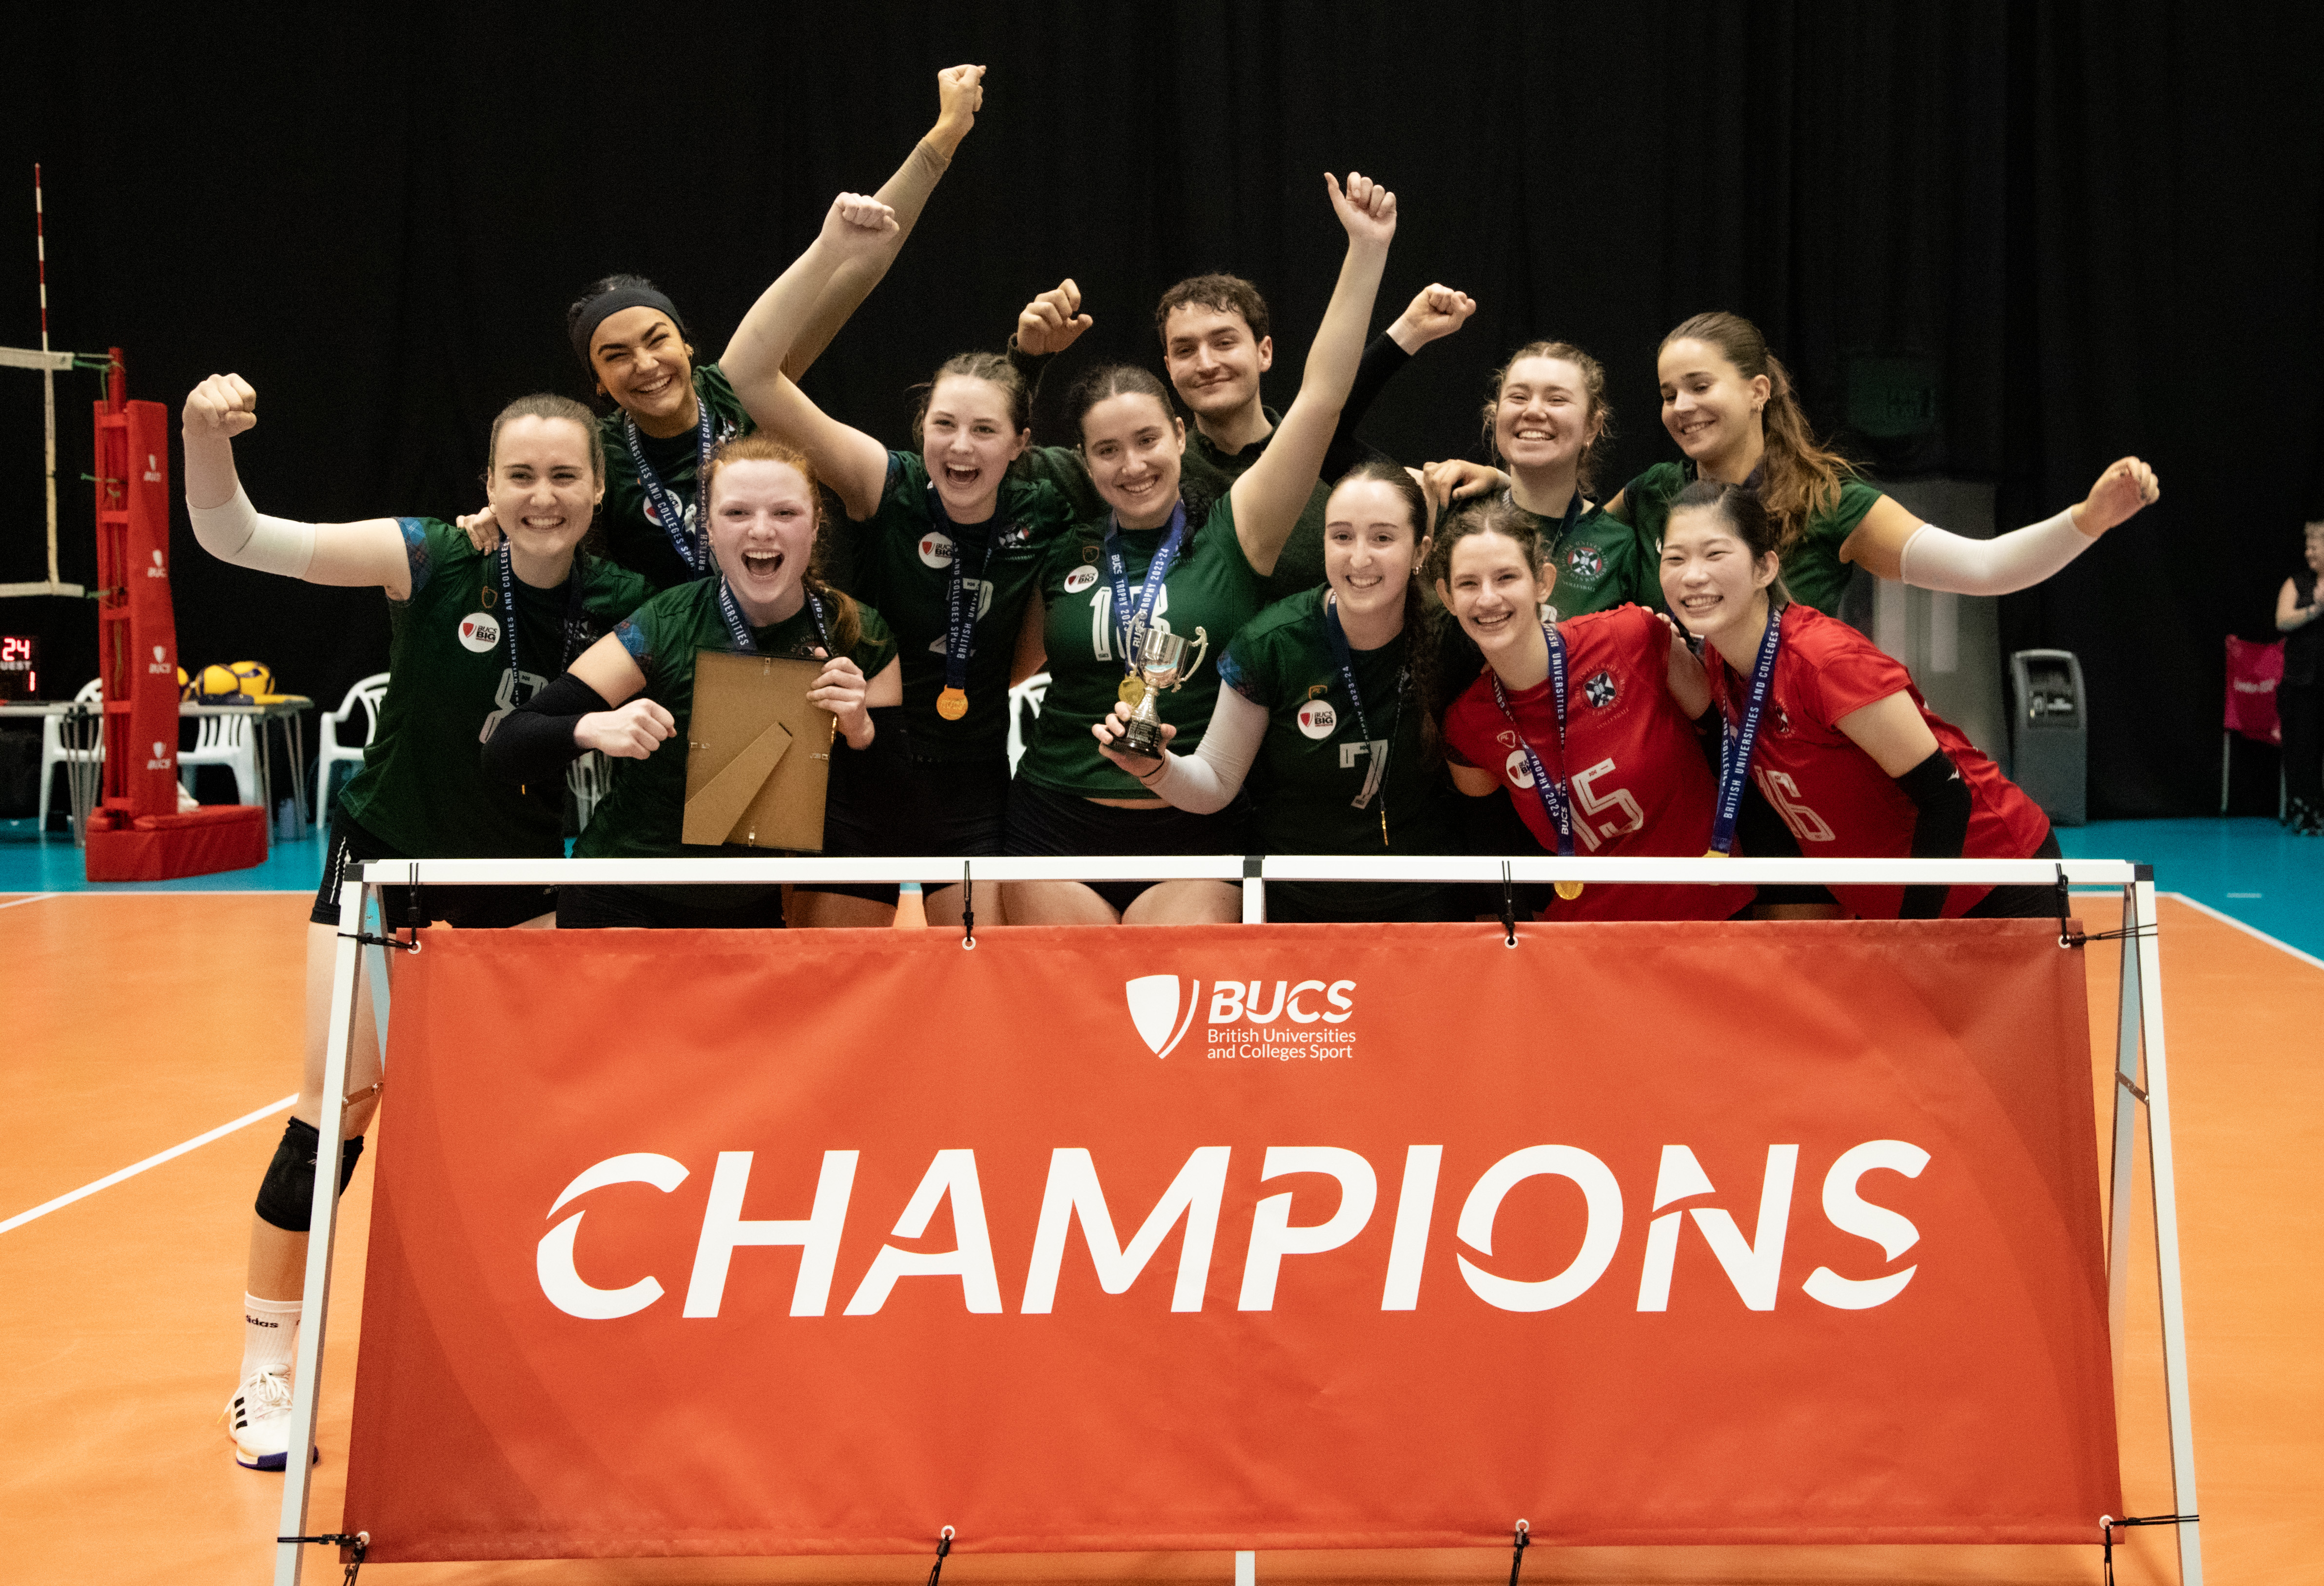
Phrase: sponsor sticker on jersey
{"type": "Point", "coordinates": [1317, 719]}
{"type": "Point", "coordinates": [1600, 691]}
{"type": "Point", "coordinates": [480, 631]}
{"type": "Point", "coordinates": [936, 548]}
{"type": "Point", "coordinates": [1519, 774]}
{"type": "Point", "coordinates": [1079, 579]}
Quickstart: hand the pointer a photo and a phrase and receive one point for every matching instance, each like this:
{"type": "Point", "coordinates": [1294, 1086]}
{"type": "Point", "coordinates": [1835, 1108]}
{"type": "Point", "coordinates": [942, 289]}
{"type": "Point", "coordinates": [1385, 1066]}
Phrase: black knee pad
{"type": "Point", "coordinates": [286, 1195]}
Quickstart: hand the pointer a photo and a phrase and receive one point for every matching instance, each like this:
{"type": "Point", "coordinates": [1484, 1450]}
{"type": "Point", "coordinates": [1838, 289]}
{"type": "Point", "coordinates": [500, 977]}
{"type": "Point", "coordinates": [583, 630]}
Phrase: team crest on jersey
{"type": "Point", "coordinates": [1317, 719]}
{"type": "Point", "coordinates": [1079, 579]}
{"type": "Point", "coordinates": [479, 631]}
{"type": "Point", "coordinates": [1783, 722]}
{"type": "Point", "coordinates": [1584, 562]}
{"type": "Point", "coordinates": [936, 548]}
{"type": "Point", "coordinates": [1600, 691]}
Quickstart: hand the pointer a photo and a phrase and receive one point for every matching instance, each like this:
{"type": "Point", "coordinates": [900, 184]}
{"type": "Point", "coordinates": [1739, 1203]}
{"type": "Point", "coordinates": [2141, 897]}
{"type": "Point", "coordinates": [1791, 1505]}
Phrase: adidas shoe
{"type": "Point", "coordinates": [259, 1416]}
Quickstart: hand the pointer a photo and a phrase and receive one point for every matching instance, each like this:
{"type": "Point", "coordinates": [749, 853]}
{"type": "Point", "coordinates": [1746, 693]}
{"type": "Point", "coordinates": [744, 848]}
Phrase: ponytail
{"type": "Point", "coordinates": [1800, 478]}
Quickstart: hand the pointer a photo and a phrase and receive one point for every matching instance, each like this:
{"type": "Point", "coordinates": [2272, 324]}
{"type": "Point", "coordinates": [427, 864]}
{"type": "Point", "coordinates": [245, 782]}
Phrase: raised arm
{"type": "Point", "coordinates": [851, 462]}
{"type": "Point", "coordinates": [1891, 543]}
{"type": "Point", "coordinates": [854, 227]}
{"type": "Point", "coordinates": [1268, 498]}
{"type": "Point", "coordinates": [229, 528]}
{"type": "Point", "coordinates": [960, 95]}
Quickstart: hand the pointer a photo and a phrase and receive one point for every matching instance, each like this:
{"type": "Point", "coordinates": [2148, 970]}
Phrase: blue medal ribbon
{"type": "Point", "coordinates": [678, 520]}
{"type": "Point", "coordinates": [1376, 774]}
{"type": "Point", "coordinates": [960, 604]}
{"type": "Point", "coordinates": [1736, 743]}
{"type": "Point", "coordinates": [1554, 803]}
{"type": "Point", "coordinates": [739, 631]}
{"type": "Point", "coordinates": [1131, 626]}
{"type": "Point", "coordinates": [508, 617]}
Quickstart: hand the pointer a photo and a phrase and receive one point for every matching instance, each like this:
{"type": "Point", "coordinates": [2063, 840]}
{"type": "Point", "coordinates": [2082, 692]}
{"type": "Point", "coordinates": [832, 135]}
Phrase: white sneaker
{"type": "Point", "coordinates": [259, 1416]}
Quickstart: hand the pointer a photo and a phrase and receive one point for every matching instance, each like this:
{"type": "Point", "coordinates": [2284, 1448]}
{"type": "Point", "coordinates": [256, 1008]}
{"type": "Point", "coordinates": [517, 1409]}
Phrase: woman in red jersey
{"type": "Point", "coordinates": [1587, 724]}
{"type": "Point", "coordinates": [1830, 728]}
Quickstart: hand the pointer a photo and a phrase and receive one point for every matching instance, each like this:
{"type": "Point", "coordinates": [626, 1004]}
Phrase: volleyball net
{"type": "Point", "coordinates": [1247, 1237]}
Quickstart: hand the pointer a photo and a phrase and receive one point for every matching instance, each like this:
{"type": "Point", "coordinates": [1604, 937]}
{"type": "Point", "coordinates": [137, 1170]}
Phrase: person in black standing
{"type": "Point", "coordinates": [2300, 697]}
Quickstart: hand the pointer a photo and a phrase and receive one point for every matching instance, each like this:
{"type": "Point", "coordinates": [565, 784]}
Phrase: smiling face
{"type": "Point", "coordinates": [1371, 547]}
{"type": "Point", "coordinates": [1132, 448]}
{"type": "Point", "coordinates": [642, 362]}
{"type": "Point", "coordinates": [1212, 359]}
{"type": "Point", "coordinates": [967, 440]}
{"type": "Point", "coordinates": [1709, 408]}
{"type": "Point", "coordinates": [1544, 417]}
{"type": "Point", "coordinates": [1492, 591]}
{"type": "Point", "coordinates": [1710, 578]}
{"type": "Point", "coordinates": [543, 486]}
{"type": "Point", "coordinates": [2315, 548]}
{"type": "Point", "coordinates": [762, 522]}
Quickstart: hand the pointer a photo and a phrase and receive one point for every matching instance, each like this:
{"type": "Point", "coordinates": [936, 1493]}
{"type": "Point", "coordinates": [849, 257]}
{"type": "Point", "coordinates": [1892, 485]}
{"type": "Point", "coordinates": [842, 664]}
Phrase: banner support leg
{"type": "Point", "coordinates": [1254, 892]}
{"type": "Point", "coordinates": [2125, 1130]}
{"type": "Point", "coordinates": [1246, 1569]}
{"type": "Point", "coordinates": [2166, 1231]}
{"type": "Point", "coordinates": [298, 1472]}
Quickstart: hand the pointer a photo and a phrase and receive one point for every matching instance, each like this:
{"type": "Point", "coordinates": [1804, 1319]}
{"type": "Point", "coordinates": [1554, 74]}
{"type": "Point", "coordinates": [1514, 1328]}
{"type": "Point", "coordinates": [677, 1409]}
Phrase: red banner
{"type": "Point", "coordinates": [734, 1243]}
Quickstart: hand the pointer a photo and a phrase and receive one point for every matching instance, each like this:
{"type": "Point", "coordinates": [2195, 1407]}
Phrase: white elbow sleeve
{"type": "Point", "coordinates": [1934, 559]}
{"type": "Point", "coordinates": [236, 532]}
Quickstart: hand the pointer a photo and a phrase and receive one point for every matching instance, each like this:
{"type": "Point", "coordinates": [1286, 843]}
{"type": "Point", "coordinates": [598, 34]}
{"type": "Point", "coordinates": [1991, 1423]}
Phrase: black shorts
{"type": "Point", "coordinates": [595, 908]}
{"type": "Point", "coordinates": [468, 907]}
{"type": "Point", "coordinates": [1044, 824]}
{"type": "Point", "coordinates": [1363, 902]}
{"type": "Point", "coordinates": [2022, 902]}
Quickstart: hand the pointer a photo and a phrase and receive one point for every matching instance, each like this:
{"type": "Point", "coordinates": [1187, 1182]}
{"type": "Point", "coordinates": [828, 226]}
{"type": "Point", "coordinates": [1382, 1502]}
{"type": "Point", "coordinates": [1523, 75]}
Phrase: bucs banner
{"type": "Point", "coordinates": [1269, 1237]}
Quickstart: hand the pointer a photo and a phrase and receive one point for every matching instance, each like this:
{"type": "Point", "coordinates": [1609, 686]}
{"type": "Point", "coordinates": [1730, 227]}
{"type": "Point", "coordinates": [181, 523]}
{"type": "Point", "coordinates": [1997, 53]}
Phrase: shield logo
{"type": "Point", "coordinates": [1153, 1010]}
{"type": "Point", "coordinates": [936, 549]}
{"type": "Point", "coordinates": [1317, 719]}
{"type": "Point", "coordinates": [1600, 690]}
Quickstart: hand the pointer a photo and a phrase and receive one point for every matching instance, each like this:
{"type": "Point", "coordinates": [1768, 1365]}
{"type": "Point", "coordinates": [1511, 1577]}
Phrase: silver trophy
{"type": "Point", "coordinates": [1157, 665]}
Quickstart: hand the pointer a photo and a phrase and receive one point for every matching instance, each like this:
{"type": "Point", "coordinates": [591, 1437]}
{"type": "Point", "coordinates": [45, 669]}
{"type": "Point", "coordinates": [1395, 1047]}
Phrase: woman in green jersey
{"type": "Point", "coordinates": [668, 411]}
{"type": "Point", "coordinates": [1165, 563]}
{"type": "Point", "coordinates": [472, 634]}
{"type": "Point", "coordinates": [633, 692]}
{"type": "Point", "coordinates": [947, 544]}
{"type": "Point", "coordinates": [1729, 405]}
{"type": "Point", "coordinates": [1319, 715]}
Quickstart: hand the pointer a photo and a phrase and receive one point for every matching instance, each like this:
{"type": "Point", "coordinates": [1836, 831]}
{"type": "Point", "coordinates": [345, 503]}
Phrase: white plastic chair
{"type": "Point", "coordinates": [333, 749]}
{"type": "Point", "coordinates": [53, 753]}
{"type": "Point", "coordinates": [225, 741]}
{"type": "Point", "coordinates": [1024, 705]}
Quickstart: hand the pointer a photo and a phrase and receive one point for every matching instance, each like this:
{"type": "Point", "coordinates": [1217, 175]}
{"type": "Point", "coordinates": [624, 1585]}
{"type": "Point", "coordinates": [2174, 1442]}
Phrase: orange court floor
{"type": "Point", "coordinates": [134, 1023]}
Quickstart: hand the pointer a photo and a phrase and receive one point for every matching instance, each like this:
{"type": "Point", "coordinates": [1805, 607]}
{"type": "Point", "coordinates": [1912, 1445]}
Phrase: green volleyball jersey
{"type": "Point", "coordinates": [643, 814]}
{"type": "Point", "coordinates": [1299, 565]}
{"type": "Point", "coordinates": [1813, 570]}
{"type": "Point", "coordinates": [1319, 781]}
{"type": "Point", "coordinates": [1601, 564]}
{"type": "Point", "coordinates": [633, 529]}
{"type": "Point", "coordinates": [904, 564]}
{"type": "Point", "coordinates": [1208, 594]}
{"type": "Point", "coordinates": [421, 789]}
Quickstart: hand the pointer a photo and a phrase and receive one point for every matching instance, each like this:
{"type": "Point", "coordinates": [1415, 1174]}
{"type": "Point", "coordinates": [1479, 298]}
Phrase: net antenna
{"type": "Point", "coordinates": [47, 362]}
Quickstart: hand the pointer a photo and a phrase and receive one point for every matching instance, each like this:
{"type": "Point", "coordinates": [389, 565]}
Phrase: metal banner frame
{"type": "Point", "coordinates": [2142, 1080]}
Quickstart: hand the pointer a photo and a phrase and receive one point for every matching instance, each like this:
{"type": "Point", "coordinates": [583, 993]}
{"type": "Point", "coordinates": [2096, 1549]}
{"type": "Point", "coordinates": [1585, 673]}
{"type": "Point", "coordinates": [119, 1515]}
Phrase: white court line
{"type": "Point", "coordinates": [134, 1168]}
{"type": "Point", "coordinates": [2225, 919]}
{"type": "Point", "coordinates": [35, 898]}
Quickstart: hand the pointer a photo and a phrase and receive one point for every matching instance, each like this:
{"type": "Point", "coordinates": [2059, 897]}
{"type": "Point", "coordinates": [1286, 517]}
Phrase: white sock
{"type": "Point", "coordinates": [269, 1335]}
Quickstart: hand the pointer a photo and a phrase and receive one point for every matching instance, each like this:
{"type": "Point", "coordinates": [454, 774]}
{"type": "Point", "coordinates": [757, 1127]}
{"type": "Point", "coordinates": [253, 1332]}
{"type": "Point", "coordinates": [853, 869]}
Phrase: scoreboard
{"type": "Point", "coordinates": [19, 667]}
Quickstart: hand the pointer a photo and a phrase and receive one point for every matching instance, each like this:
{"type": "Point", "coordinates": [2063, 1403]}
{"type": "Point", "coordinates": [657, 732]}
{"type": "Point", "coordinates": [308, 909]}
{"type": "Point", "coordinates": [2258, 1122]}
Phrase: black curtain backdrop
{"type": "Point", "coordinates": [2092, 228]}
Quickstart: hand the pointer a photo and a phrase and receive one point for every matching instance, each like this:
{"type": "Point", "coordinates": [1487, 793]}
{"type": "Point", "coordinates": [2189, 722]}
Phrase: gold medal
{"type": "Point", "coordinates": [1569, 890]}
{"type": "Point", "coordinates": [952, 704]}
{"type": "Point", "coordinates": [1131, 691]}
{"type": "Point", "coordinates": [1716, 854]}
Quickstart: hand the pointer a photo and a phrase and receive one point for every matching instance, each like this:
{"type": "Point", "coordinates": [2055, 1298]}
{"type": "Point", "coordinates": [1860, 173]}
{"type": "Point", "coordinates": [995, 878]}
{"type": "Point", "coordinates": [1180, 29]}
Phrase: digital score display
{"type": "Point", "coordinates": [19, 667]}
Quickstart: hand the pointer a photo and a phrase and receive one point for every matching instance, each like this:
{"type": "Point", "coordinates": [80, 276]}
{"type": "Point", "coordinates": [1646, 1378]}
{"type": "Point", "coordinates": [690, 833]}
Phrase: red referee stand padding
{"type": "Point", "coordinates": [135, 833]}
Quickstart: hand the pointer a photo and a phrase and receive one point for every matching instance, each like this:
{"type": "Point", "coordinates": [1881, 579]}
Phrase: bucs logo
{"type": "Point", "coordinates": [1317, 719]}
{"type": "Point", "coordinates": [1583, 561]}
{"type": "Point", "coordinates": [936, 548]}
{"type": "Point", "coordinates": [1600, 691]}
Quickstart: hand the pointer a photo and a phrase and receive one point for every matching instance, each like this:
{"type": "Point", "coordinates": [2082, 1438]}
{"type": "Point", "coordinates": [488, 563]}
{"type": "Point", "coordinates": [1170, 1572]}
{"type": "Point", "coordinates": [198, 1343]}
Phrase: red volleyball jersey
{"type": "Point", "coordinates": [1631, 761]}
{"type": "Point", "coordinates": [1835, 797]}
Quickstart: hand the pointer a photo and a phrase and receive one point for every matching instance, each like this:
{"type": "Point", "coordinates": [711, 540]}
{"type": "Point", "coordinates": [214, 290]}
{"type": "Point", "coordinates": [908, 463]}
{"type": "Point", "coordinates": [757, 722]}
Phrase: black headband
{"type": "Point", "coordinates": [606, 304]}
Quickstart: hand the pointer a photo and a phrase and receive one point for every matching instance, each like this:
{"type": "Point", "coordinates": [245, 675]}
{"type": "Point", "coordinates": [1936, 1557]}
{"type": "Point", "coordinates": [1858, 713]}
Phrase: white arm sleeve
{"type": "Point", "coordinates": [235, 533]}
{"type": "Point", "coordinates": [2006, 563]}
{"type": "Point", "coordinates": [1206, 781]}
